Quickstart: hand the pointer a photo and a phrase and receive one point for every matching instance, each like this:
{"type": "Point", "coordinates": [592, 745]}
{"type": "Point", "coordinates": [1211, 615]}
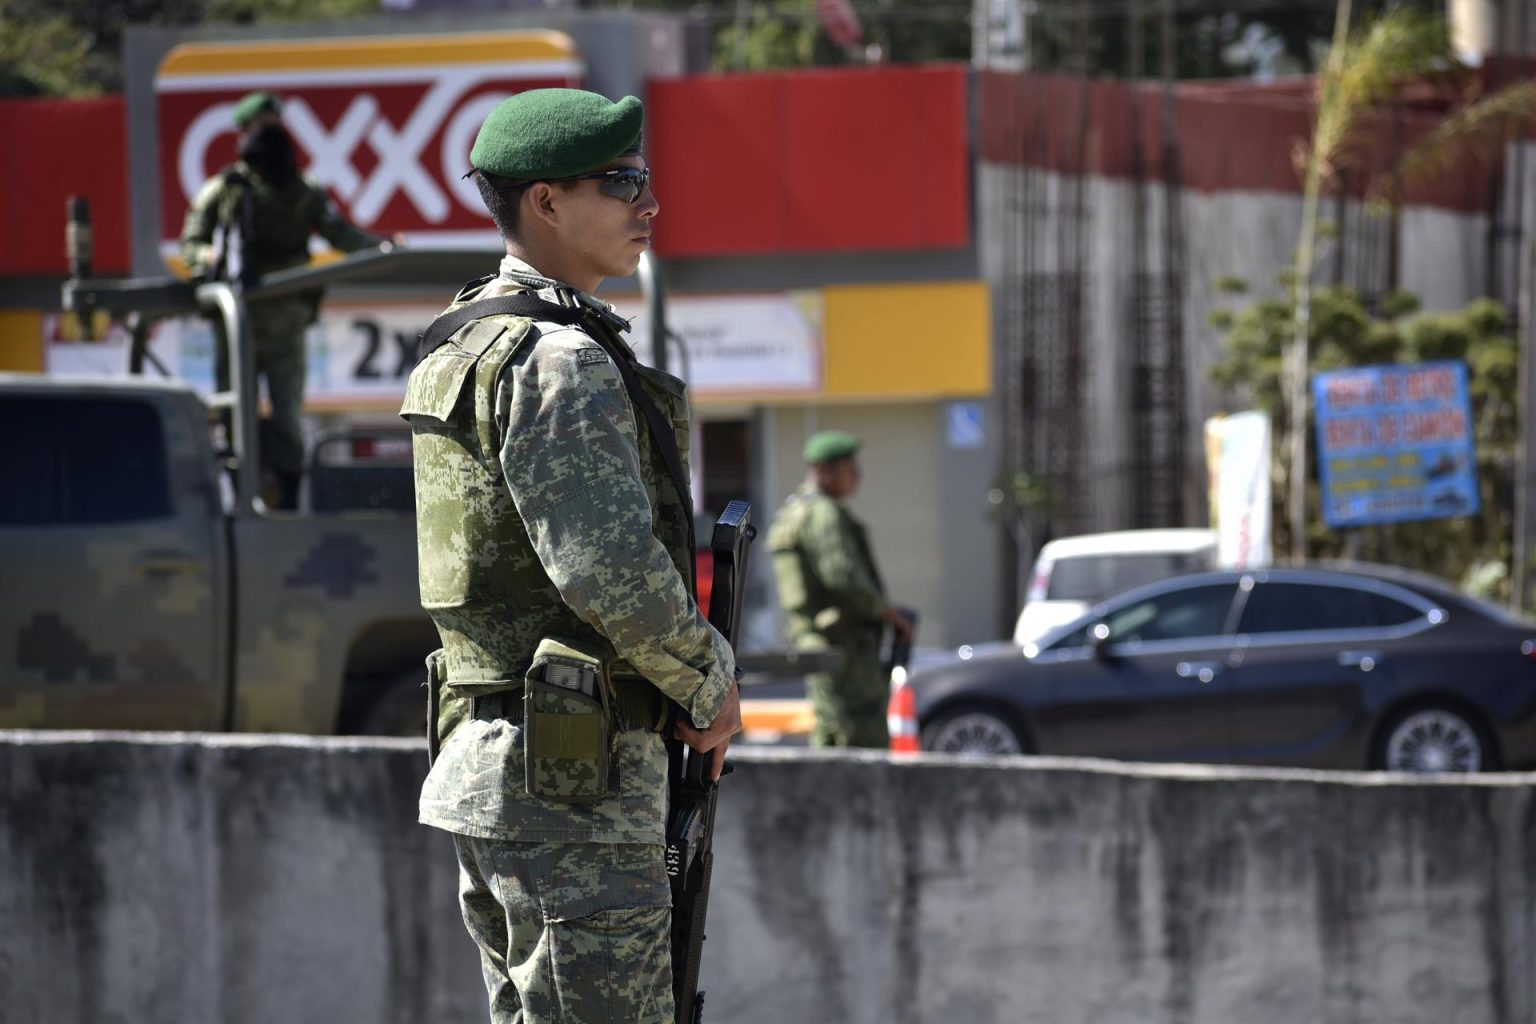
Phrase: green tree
{"type": "Point", "coordinates": [1363, 68]}
{"type": "Point", "coordinates": [1341, 333]}
{"type": "Point", "coordinates": [788, 33]}
{"type": "Point", "coordinates": [46, 57]}
{"type": "Point", "coordinates": [74, 47]}
{"type": "Point", "coordinates": [765, 36]}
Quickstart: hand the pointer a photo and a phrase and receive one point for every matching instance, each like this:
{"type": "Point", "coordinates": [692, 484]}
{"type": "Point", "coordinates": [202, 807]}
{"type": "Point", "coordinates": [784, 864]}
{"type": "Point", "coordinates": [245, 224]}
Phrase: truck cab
{"type": "Point", "coordinates": [145, 585]}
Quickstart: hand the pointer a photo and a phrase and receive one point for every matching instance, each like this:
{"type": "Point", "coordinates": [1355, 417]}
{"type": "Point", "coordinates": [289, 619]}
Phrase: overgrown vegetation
{"type": "Point", "coordinates": [74, 47]}
{"type": "Point", "coordinates": [1342, 332]}
{"type": "Point", "coordinates": [1275, 345]}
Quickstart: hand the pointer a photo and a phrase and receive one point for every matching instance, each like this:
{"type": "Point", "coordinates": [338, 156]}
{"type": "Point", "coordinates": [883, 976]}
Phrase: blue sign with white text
{"type": "Point", "coordinates": [1394, 443]}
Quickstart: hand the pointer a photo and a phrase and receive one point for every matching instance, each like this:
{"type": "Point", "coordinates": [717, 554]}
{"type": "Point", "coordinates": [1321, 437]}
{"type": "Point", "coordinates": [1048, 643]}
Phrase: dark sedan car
{"type": "Point", "coordinates": [1325, 668]}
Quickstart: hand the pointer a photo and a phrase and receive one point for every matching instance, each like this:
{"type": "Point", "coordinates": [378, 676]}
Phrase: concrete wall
{"type": "Point", "coordinates": [179, 878]}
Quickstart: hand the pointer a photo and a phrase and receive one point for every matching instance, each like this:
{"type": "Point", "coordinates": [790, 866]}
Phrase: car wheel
{"type": "Point", "coordinates": [973, 729]}
{"type": "Point", "coordinates": [1432, 739]}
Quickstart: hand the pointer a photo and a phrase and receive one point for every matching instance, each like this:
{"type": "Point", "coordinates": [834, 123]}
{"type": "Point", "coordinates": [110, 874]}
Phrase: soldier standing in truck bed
{"type": "Point", "coordinates": [254, 217]}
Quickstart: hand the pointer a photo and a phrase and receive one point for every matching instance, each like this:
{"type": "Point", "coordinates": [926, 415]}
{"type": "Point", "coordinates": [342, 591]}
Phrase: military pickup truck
{"type": "Point", "coordinates": [136, 594]}
{"type": "Point", "coordinates": [143, 583]}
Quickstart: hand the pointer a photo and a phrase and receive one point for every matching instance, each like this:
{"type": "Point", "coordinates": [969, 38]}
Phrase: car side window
{"type": "Point", "coordinates": [1174, 615]}
{"type": "Point", "coordinates": [1307, 607]}
{"type": "Point", "coordinates": [81, 460]}
{"type": "Point", "coordinates": [1390, 612]}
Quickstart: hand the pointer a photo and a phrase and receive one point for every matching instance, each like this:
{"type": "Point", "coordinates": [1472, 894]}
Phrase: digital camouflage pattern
{"type": "Point", "coordinates": [832, 596]}
{"type": "Point", "coordinates": [283, 220]}
{"type": "Point", "coordinates": [124, 625]}
{"type": "Point", "coordinates": [569, 744]}
{"type": "Point", "coordinates": [572, 932]}
{"type": "Point", "coordinates": [568, 719]}
{"type": "Point", "coordinates": [544, 512]}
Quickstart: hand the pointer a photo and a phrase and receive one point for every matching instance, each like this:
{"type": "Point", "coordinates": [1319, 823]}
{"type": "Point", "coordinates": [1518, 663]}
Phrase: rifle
{"type": "Point", "coordinates": [900, 652]}
{"type": "Point", "coordinates": [691, 810]}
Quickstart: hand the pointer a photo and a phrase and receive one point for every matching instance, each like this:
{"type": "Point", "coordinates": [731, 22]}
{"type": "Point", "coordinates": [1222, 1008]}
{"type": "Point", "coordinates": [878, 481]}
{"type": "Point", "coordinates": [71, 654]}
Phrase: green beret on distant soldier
{"type": "Point", "coordinates": [547, 134]}
{"type": "Point", "coordinates": [253, 105]}
{"type": "Point", "coordinates": [831, 445]}
{"type": "Point", "coordinates": [833, 597]}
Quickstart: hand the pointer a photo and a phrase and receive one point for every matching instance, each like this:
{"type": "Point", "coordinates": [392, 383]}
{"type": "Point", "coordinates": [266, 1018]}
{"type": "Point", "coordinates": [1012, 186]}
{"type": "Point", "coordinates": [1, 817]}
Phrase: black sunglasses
{"type": "Point", "coordinates": [624, 183]}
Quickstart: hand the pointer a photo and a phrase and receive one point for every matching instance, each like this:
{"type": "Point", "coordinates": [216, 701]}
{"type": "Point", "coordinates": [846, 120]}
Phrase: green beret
{"type": "Point", "coordinates": [254, 104]}
{"type": "Point", "coordinates": [556, 133]}
{"type": "Point", "coordinates": [829, 445]}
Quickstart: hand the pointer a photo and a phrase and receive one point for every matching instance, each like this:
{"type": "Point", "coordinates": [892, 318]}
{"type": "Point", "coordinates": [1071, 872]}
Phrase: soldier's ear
{"type": "Point", "coordinates": [540, 199]}
{"type": "Point", "coordinates": [544, 195]}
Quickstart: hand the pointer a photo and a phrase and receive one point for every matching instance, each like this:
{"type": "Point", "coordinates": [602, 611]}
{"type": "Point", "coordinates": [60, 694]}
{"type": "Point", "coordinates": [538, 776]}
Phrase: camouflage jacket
{"type": "Point", "coordinates": [283, 220]}
{"type": "Point", "coordinates": [544, 510]}
{"type": "Point", "coordinates": [828, 584]}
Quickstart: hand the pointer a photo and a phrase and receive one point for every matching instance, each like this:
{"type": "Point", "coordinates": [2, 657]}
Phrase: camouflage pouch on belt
{"type": "Point", "coordinates": [567, 724]}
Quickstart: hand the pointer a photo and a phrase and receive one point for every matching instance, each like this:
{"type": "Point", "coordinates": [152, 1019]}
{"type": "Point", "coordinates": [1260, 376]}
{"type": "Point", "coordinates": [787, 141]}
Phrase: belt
{"type": "Point", "coordinates": [640, 703]}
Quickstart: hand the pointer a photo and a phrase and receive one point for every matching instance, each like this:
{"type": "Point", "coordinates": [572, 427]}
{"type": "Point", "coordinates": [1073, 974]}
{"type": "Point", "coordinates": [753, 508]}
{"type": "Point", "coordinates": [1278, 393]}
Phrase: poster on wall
{"type": "Point", "coordinates": [739, 344]}
{"type": "Point", "coordinates": [1238, 458]}
{"type": "Point", "coordinates": [1394, 444]}
{"type": "Point", "coordinates": [724, 346]}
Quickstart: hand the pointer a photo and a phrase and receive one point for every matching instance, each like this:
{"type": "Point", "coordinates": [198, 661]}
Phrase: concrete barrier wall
{"type": "Point", "coordinates": [191, 879]}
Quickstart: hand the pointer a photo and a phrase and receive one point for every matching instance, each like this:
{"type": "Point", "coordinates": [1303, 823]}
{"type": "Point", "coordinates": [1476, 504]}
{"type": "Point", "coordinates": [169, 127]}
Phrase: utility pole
{"type": "Point", "coordinates": [653, 288]}
{"type": "Point", "coordinates": [1517, 27]}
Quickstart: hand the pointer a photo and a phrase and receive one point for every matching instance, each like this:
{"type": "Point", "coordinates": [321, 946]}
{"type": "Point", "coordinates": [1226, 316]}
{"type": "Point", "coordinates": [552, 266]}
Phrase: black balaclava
{"type": "Point", "coordinates": [269, 151]}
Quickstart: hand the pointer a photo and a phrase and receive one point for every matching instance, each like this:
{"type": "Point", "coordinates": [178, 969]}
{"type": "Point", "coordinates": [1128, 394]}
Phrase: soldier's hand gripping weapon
{"type": "Point", "coordinates": [900, 652]}
{"type": "Point", "coordinates": [691, 805]}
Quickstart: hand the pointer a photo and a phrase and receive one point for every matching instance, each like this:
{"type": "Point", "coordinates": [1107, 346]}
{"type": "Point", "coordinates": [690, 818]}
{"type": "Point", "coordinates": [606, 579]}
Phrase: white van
{"type": "Point", "coordinates": [1074, 573]}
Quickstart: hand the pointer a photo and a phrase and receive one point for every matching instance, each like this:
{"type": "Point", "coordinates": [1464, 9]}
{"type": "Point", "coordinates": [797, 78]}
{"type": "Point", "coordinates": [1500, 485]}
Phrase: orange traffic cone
{"type": "Point", "coordinates": [901, 715]}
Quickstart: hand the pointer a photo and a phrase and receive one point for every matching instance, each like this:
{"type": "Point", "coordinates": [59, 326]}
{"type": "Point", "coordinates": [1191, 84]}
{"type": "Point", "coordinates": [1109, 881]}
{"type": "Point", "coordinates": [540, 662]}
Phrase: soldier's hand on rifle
{"type": "Point", "coordinates": [718, 736]}
{"type": "Point", "coordinates": [899, 622]}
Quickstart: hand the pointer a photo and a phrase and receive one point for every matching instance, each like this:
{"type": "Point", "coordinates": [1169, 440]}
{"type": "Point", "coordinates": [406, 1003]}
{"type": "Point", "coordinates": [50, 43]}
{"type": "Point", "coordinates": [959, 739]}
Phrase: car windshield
{"type": "Point", "coordinates": [1092, 578]}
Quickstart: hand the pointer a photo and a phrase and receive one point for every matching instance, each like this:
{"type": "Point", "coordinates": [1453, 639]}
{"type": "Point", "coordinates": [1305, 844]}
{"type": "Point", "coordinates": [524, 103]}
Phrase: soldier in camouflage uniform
{"type": "Point", "coordinates": [832, 596]}
{"type": "Point", "coordinates": [551, 536]}
{"type": "Point", "coordinates": [264, 201]}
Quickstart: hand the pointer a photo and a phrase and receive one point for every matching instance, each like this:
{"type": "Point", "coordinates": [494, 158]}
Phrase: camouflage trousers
{"type": "Point", "coordinates": [850, 704]}
{"type": "Point", "coordinates": [576, 933]}
{"type": "Point", "coordinates": [277, 333]}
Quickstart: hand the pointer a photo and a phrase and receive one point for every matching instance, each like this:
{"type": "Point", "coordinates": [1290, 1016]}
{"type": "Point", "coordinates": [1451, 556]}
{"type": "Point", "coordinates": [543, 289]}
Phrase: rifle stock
{"type": "Point", "coordinates": [691, 804]}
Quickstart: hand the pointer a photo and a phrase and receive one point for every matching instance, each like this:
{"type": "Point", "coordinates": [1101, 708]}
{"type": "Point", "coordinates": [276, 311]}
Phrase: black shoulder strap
{"type": "Point", "coordinates": [662, 433]}
{"type": "Point", "coordinates": [520, 304]}
{"type": "Point", "coordinates": [524, 304]}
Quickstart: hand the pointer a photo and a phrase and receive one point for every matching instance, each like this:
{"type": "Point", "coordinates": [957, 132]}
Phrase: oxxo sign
{"type": "Point", "coordinates": [385, 123]}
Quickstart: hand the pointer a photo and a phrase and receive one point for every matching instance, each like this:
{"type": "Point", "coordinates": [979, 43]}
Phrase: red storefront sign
{"type": "Point", "coordinates": [385, 123]}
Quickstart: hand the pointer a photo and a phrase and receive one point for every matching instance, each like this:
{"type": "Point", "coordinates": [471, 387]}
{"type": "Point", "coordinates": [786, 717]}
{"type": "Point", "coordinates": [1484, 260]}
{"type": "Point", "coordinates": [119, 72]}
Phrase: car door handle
{"type": "Point", "coordinates": [162, 563]}
{"type": "Point", "coordinates": [1204, 671]}
{"type": "Point", "coordinates": [1362, 660]}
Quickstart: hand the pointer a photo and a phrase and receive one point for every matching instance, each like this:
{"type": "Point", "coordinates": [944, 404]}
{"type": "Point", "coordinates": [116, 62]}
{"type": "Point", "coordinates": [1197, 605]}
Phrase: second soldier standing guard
{"type": "Point", "coordinates": [832, 595]}
{"type": "Point", "coordinates": [553, 531]}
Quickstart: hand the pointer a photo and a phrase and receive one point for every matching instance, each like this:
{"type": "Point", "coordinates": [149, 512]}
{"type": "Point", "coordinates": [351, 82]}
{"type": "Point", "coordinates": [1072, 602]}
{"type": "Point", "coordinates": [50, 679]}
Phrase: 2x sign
{"type": "Point", "coordinates": [385, 123]}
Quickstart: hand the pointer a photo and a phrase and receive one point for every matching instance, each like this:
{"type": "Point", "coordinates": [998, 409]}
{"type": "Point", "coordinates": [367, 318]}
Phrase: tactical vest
{"type": "Point", "coordinates": [481, 580]}
{"type": "Point", "coordinates": [809, 610]}
{"type": "Point", "coordinates": [279, 221]}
